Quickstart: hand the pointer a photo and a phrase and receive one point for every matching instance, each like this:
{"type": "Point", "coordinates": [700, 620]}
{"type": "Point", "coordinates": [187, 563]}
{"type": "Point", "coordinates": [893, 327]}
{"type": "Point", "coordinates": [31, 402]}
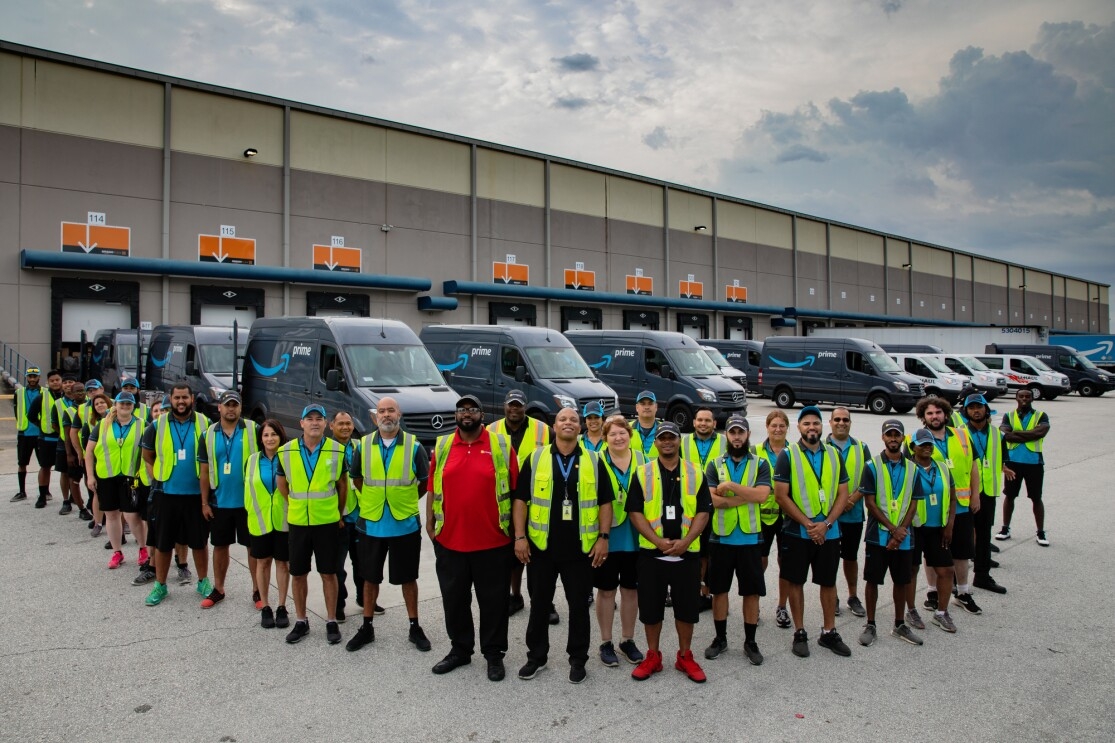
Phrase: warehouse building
{"type": "Point", "coordinates": [131, 198]}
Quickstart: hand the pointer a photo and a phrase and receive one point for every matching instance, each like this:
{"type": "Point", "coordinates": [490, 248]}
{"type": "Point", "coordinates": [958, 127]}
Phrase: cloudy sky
{"type": "Point", "coordinates": [986, 126]}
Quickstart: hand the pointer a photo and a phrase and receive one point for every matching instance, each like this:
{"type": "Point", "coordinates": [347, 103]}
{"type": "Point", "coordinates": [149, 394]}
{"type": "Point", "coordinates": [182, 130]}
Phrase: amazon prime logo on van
{"type": "Point", "coordinates": [302, 351]}
{"type": "Point", "coordinates": [808, 361]}
{"type": "Point", "coordinates": [826, 354]}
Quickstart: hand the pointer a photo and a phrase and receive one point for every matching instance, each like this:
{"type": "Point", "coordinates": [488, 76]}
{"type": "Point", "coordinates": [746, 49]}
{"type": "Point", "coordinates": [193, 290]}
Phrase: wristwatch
{"type": "Point", "coordinates": [518, 539]}
{"type": "Point", "coordinates": [605, 537]}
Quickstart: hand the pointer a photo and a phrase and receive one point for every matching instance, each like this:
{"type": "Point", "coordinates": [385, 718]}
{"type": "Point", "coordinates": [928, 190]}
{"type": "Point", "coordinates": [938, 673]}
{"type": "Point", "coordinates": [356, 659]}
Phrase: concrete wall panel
{"type": "Point", "coordinates": [225, 184]}
{"type": "Point", "coordinates": [422, 209]}
{"type": "Point", "coordinates": [578, 191]}
{"type": "Point", "coordinates": [42, 210]}
{"type": "Point", "coordinates": [187, 221]}
{"type": "Point", "coordinates": [219, 126]}
{"type": "Point", "coordinates": [691, 247]}
{"type": "Point", "coordinates": [325, 144]}
{"type": "Point", "coordinates": [11, 80]}
{"type": "Point", "coordinates": [774, 229]}
{"type": "Point", "coordinates": [579, 231]}
{"type": "Point", "coordinates": [689, 210]}
{"type": "Point", "coordinates": [337, 197]}
{"type": "Point", "coordinates": [100, 167]}
{"type": "Point", "coordinates": [428, 163]}
{"type": "Point", "coordinates": [305, 232]}
{"type": "Point", "coordinates": [811, 237]}
{"type": "Point", "coordinates": [510, 221]}
{"type": "Point", "coordinates": [637, 240]}
{"type": "Point", "coordinates": [634, 201]}
{"type": "Point", "coordinates": [501, 176]}
{"type": "Point", "coordinates": [9, 154]}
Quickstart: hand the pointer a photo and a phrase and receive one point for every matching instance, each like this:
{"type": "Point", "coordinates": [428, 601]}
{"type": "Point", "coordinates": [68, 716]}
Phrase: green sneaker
{"type": "Point", "coordinates": [158, 593]}
{"type": "Point", "coordinates": [204, 587]}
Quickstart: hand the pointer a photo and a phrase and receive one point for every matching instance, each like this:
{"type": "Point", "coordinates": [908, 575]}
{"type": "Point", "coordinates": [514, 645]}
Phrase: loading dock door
{"type": "Point", "coordinates": [224, 315]}
{"type": "Point", "coordinates": [91, 316]}
{"type": "Point", "coordinates": [695, 325]}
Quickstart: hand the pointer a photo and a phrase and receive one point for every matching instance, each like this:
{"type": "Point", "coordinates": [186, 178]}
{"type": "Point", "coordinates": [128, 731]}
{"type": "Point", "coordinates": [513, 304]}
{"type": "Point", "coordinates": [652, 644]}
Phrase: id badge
{"type": "Point", "coordinates": [948, 463]}
{"type": "Point", "coordinates": [228, 468]}
{"type": "Point", "coordinates": [822, 496]}
{"type": "Point", "coordinates": [671, 512]}
{"type": "Point", "coordinates": [567, 511]}
{"type": "Point", "coordinates": [181, 455]}
{"type": "Point", "coordinates": [932, 499]}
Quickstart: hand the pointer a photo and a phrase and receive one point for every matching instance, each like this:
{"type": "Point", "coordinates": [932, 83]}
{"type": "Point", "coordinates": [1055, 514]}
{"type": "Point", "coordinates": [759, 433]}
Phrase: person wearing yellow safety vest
{"type": "Point", "coordinates": [98, 408]}
{"type": "Point", "coordinates": [669, 504]}
{"type": "Point", "coordinates": [267, 522]}
{"type": "Point", "coordinates": [390, 471]}
{"type": "Point", "coordinates": [562, 514]}
{"type": "Point", "coordinates": [953, 448]}
{"type": "Point", "coordinates": [148, 494]}
{"type": "Point", "coordinates": [50, 434]}
{"type": "Point", "coordinates": [525, 434]}
{"type": "Point", "coordinates": [27, 401]}
{"type": "Point", "coordinates": [644, 428]}
{"type": "Point", "coordinates": [990, 452]}
{"type": "Point", "coordinates": [855, 455]}
{"type": "Point", "coordinates": [76, 418]}
{"type": "Point", "coordinates": [934, 527]}
{"type": "Point", "coordinates": [593, 437]}
{"type": "Point", "coordinates": [142, 412]}
{"type": "Point", "coordinates": [341, 428]}
{"type": "Point", "coordinates": [468, 518]}
{"type": "Point", "coordinates": [701, 447]}
{"type": "Point", "coordinates": [739, 482]}
{"type": "Point", "coordinates": [222, 461]}
{"type": "Point", "coordinates": [778, 424]}
{"type": "Point", "coordinates": [71, 489]}
{"type": "Point", "coordinates": [170, 449]}
{"type": "Point", "coordinates": [1024, 430]}
{"type": "Point", "coordinates": [112, 462]}
{"type": "Point", "coordinates": [812, 489]}
{"type": "Point", "coordinates": [313, 482]}
{"type": "Point", "coordinates": [888, 488]}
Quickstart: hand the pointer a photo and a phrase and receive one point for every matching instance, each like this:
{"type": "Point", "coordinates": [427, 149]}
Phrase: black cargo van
{"type": "Point", "coordinates": [743, 355]}
{"type": "Point", "coordinates": [1085, 377]}
{"type": "Point", "coordinates": [118, 354]}
{"type": "Point", "coordinates": [203, 355]}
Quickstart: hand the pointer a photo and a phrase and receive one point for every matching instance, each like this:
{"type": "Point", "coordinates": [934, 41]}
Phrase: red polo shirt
{"type": "Point", "coordinates": [469, 502]}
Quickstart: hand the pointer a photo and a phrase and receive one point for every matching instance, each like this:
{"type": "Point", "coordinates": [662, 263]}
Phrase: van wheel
{"type": "Point", "coordinates": [258, 417]}
{"type": "Point", "coordinates": [680, 415]}
{"type": "Point", "coordinates": [1036, 390]}
{"type": "Point", "coordinates": [903, 410]}
{"type": "Point", "coordinates": [1087, 389]}
{"type": "Point", "coordinates": [878, 403]}
{"type": "Point", "coordinates": [538, 415]}
{"type": "Point", "coordinates": [1051, 397]}
{"type": "Point", "coordinates": [784, 398]}
{"type": "Point", "coordinates": [933, 392]}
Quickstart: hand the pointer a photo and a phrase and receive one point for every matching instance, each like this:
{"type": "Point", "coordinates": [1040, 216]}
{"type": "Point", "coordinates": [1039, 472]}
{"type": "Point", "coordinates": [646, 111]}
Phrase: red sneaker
{"type": "Point", "coordinates": [214, 598]}
{"type": "Point", "coordinates": [689, 667]}
{"type": "Point", "coordinates": [651, 665]}
{"type": "Point", "coordinates": [116, 561]}
{"type": "Point", "coordinates": [143, 556]}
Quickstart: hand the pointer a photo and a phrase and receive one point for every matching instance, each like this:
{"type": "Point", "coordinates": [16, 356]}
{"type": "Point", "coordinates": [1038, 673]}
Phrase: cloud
{"type": "Point", "coordinates": [796, 152]}
{"type": "Point", "coordinates": [657, 138]}
{"type": "Point", "coordinates": [573, 103]}
{"type": "Point", "coordinates": [580, 62]}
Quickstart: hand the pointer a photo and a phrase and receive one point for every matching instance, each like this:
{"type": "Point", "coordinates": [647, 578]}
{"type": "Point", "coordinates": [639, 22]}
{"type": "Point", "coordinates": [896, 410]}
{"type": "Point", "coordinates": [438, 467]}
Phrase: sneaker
{"type": "Point", "coordinates": [108, 544]}
{"type": "Point", "coordinates": [282, 619]}
{"type": "Point", "coordinates": [67, 508]}
{"type": "Point", "coordinates": [868, 635]}
{"type": "Point", "coordinates": [185, 577]}
{"type": "Point", "coordinates": [751, 650]}
{"type": "Point", "coordinates": [577, 673]}
{"type": "Point", "coordinates": [204, 586]}
{"type": "Point", "coordinates": [418, 638]}
{"type": "Point", "coordinates": [215, 597]}
{"type": "Point", "coordinates": [930, 600]}
{"type": "Point", "coordinates": [41, 502]}
{"type": "Point", "coordinates": [146, 575]}
{"type": "Point", "coordinates": [914, 619]}
{"type": "Point", "coordinates": [902, 632]}
{"type": "Point", "coordinates": [608, 655]}
{"type": "Point", "coordinates": [669, 599]}
{"type": "Point", "coordinates": [452, 662]}
{"type": "Point", "coordinates": [143, 557]}
{"type": "Point", "coordinates": [332, 633]}
{"type": "Point", "coordinates": [496, 670]}
{"type": "Point", "coordinates": [856, 606]}
{"type": "Point", "coordinates": [782, 618]}
{"type": "Point", "coordinates": [1004, 533]}
{"type": "Point", "coordinates": [339, 616]}
{"type": "Point", "coordinates": [553, 619]}
{"type": "Point", "coordinates": [266, 618]}
{"type": "Point", "coordinates": [84, 515]}
{"type": "Point", "coordinates": [97, 529]}
{"type": "Point", "coordinates": [801, 644]}
{"type": "Point", "coordinates": [257, 600]}
{"type": "Point", "coordinates": [832, 641]}
{"type": "Point", "coordinates": [1042, 539]}
{"type": "Point", "coordinates": [944, 621]}
{"type": "Point", "coordinates": [719, 645]}
{"type": "Point", "coordinates": [651, 665]}
{"type": "Point", "coordinates": [378, 610]}
{"type": "Point", "coordinates": [993, 564]}
{"type": "Point", "coordinates": [969, 603]}
{"type": "Point", "coordinates": [363, 636]}
{"type": "Point", "coordinates": [18, 497]}
{"type": "Point", "coordinates": [530, 669]}
{"type": "Point", "coordinates": [116, 560]}
{"type": "Point", "coordinates": [689, 667]}
{"type": "Point", "coordinates": [515, 604]}
{"type": "Point", "coordinates": [705, 603]}
{"type": "Point", "coordinates": [994, 547]}
{"type": "Point", "coordinates": [630, 651]}
{"type": "Point", "coordinates": [301, 629]}
{"type": "Point", "coordinates": [127, 527]}
{"type": "Point", "coordinates": [591, 598]}
{"type": "Point", "coordinates": [838, 611]}
{"type": "Point", "coordinates": [987, 583]}
{"type": "Point", "coordinates": [158, 593]}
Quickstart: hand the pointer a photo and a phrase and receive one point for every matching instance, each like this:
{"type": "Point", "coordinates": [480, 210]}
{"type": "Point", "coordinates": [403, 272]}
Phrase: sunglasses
{"type": "Point", "coordinates": [841, 420]}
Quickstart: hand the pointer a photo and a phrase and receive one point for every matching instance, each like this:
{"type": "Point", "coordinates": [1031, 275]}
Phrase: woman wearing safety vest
{"type": "Point", "coordinates": [98, 406]}
{"type": "Point", "coordinates": [112, 455]}
{"type": "Point", "coordinates": [267, 522]}
{"type": "Point", "coordinates": [778, 424]}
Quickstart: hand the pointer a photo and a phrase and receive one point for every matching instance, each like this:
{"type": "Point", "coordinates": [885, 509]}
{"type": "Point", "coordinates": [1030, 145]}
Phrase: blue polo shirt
{"type": "Point", "coordinates": [1021, 454]}
{"type": "Point", "coordinates": [622, 538]}
{"type": "Point", "coordinates": [930, 486]}
{"type": "Point", "coordinates": [388, 525]}
{"type": "Point", "coordinates": [817, 461]}
{"type": "Point", "coordinates": [855, 516]}
{"type": "Point", "coordinates": [738, 536]}
{"type": "Point", "coordinates": [183, 478]}
{"type": "Point", "coordinates": [896, 471]}
{"type": "Point", "coordinates": [31, 395]}
{"type": "Point", "coordinates": [230, 450]}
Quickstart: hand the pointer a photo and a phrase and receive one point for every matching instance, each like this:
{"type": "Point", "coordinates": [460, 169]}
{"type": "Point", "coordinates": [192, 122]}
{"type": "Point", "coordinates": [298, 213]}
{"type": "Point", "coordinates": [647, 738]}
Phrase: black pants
{"type": "Point", "coordinates": [489, 572]}
{"type": "Point", "coordinates": [984, 522]}
{"type": "Point", "coordinates": [543, 571]}
{"type": "Point", "coordinates": [347, 545]}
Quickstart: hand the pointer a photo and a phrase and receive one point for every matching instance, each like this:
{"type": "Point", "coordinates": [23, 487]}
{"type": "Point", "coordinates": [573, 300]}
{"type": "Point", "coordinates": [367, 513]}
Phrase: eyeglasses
{"type": "Point", "coordinates": [469, 411]}
{"type": "Point", "coordinates": [841, 420]}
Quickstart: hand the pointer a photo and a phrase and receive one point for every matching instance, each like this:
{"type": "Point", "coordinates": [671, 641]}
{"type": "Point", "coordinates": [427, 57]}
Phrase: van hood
{"type": "Point", "coordinates": [715, 382]}
{"type": "Point", "coordinates": [415, 400]}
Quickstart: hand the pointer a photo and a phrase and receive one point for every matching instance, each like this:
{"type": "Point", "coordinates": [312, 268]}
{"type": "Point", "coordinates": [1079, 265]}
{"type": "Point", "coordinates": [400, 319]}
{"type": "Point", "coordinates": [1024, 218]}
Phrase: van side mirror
{"type": "Point", "coordinates": [191, 368]}
{"type": "Point", "coordinates": [869, 370]}
{"type": "Point", "coordinates": [520, 373]}
{"type": "Point", "coordinates": [667, 372]}
{"type": "Point", "coordinates": [333, 380]}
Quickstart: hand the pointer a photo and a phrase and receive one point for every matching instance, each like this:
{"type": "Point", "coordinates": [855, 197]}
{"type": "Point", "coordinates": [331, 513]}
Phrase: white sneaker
{"type": "Point", "coordinates": [1042, 539]}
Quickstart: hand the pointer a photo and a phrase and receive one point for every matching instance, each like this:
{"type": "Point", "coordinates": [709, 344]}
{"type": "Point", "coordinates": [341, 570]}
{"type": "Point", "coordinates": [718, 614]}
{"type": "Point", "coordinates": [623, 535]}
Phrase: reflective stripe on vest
{"type": "Point", "coordinates": [769, 510]}
{"type": "Point", "coordinates": [991, 466]}
{"type": "Point", "coordinates": [1017, 425]}
{"type": "Point", "coordinates": [165, 452]}
{"type": "Point", "coordinates": [500, 446]}
{"type": "Point", "coordinates": [619, 505]}
{"type": "Point", "coordinates": [114, 457]}
{"type": "Point", "coordinates": [637, 442]}
{"type": "Point", "coordinates": [724, 520]}
{"type": "Point", "coordinates": [854, 462]}
{"type": "Point", "coordinates": [652, 499]}
{"type": "Point", "coordinates": [537, 435]}
{"type": "Point", "coordinates": [810, 501]}
{"type": "Point", "coordinates": [266, 510]}
{"type": "Point", "coordinates": [542, 493]}
{"type": "Point", "coordinates": [895, 508]}
{"type": "Point", "coordinates": [21, 421]}
{"type": "Point", "coordinates": [395, 484]}
{"type": "Point", "coordinates": [249, 446]}
{"type": "Point", "coordinates": [690, 451]}
{"type": "Point", "coordinates": [46, 419]}
{"type": "Point", "coordinates": [946, 487]}
{"type": "Point", "coordinates": [312, 501]}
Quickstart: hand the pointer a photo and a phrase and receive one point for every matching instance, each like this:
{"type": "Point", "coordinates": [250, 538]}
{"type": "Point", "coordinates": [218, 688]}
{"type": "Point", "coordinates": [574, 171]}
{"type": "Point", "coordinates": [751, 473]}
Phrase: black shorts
{"type": "Point", "coordinates": [273, 544]}
{"type": "Point", "coordinates": [620, 570]}
{"type": "Point", "coordinates": [115, 494]}
{"type": "Point", "coordinates": [26, 446]}
{"type": "Point", "coordinates": [771, 533]}
{"type": "Point", "coordinates": [797, 556]}
{"type": "Point", "coordinates": [1030, 475]}
{"type": "Point", "coordinates": [229, 525]}
{"type": "Point", "coordinates": [682, 579]}
{"type": "Point", "coordinates": [963, 537]}
{"type": "Point", "coordinates": [744, 561]}
{"type": "Point", "coordinates": [706, 538]}
{"type": "Point", "coordinates": [851, 533]}
{"type": "Point", "coordinates": [180, 522]}
{"type": "Point", "coordinates": [405, 552]}
{"type": "Point", "coordinates": [927, 542]}
{"type": "Point", "coordinates": [319, 542]}
{"type": "Point", "coordinates": [61, 464]}
{"type": "Point", "coordinates": [879, 560]}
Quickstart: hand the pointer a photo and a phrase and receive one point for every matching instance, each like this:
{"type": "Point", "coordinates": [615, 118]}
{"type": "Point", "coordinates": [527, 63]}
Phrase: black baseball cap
{"type": "Point", "coordinates": [515, 396]}
{"type": "Point", "coordinates": [470, 399]}
{"type": "Point", "coordinates": [893, 424]}
{"type": "Point", "coordinates": [667, 427]}
{"type": "Point", "coordinates": [737, 421]}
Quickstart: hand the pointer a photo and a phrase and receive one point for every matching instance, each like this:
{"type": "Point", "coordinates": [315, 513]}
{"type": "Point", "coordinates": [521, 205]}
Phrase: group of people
{"type": "Point", "coordinates": [647, 517]}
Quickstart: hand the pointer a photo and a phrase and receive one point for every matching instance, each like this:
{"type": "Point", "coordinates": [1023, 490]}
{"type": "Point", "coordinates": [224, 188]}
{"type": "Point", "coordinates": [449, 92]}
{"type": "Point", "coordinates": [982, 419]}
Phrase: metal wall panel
{"type": "Point", "coordinates": [326, 144]}
{"type": "Point", "coordinates": [221, 126]}
{"type": "Point", "coordinates": [502, 176]}
{"type": "Point", "coordinates": [578, 191]}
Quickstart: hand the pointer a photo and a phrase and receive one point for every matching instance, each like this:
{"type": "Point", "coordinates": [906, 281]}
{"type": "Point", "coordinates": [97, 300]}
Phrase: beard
{"type": "Point", "coordinates": [388, 428]}
{"type": "Point", "coordinates": [468, 425]}
{"type": "Point", "coordinates": [811, 438]}
{"type": "Point", "coordinates": [935, 426]}
{"type": "Point", "coordinates": [737, 452]}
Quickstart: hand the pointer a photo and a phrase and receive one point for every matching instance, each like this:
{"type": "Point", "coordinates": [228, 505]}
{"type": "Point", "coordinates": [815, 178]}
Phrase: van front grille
{"type": "Point", "coordinates": [426, 427]}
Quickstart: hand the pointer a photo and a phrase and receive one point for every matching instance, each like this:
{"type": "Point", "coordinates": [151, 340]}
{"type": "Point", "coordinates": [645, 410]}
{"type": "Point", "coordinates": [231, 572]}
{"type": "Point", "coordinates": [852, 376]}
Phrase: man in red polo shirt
{"type": "Point", "coordinates": [468, 517]}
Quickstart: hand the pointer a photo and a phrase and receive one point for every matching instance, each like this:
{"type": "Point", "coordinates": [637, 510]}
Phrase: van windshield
{"type": "Point", "coordinates": [973, 363]}
{"type": "Point", "coordinates": [217, 359]}
{"type": "Point", "coordinates": [882, 362]}
{"type": "Point", "coordinates": [392, 366]}
{"type": "Point", "coordinates": [126, 356]}
{"type": "Point", "coordinates": [935, 364]}
{"type": "Point", "coordinates": [1037, 363]}
{"type": "Point", "coordinates": [558, 363]}
{"type": "Point", "coordinates": [692, 362]}
{"type": "Point", "coordinates": [717, 357]}
{"type": "Point", "coordinates": [1083, 361]}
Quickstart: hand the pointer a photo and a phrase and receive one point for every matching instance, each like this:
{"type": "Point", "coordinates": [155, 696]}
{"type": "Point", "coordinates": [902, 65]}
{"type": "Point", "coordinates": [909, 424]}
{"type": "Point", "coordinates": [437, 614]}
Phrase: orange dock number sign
{"type": "Point", "coordinates": [691, 289]}
{"type": "Point", "coordinates": [736, 293]}
{"type": "Point", "coordinates": [226, 248]}
{"type": "Point", "coordinates": [510, 273]}
{"type": "Point", "coordinates": [639, 284]}
{"type": "Point", "coordinates": [96, 239]}
{"type": "Point", "coordinates": [336, 258]}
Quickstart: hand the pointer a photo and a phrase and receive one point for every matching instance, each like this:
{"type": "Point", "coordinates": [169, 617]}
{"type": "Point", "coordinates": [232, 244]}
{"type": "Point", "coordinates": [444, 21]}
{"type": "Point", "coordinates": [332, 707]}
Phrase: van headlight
{"type": "Point", "coordinates": [565, 401]}
{"type": "Point", "coordinates": [902, 386]}
{"type": "Point", "coordinates": [706, 395]}
{"type": "Point", "coordinates": [216, 392]}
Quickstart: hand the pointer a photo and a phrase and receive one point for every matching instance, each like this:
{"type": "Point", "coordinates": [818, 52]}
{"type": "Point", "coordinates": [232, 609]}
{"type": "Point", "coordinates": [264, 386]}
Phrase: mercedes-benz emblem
{"type": "Point", "coordinates": [437, 422]}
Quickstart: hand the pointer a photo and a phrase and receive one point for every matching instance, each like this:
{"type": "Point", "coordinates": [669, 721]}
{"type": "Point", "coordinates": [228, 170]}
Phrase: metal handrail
{"type": "Point", "coordinates": [14, 364]}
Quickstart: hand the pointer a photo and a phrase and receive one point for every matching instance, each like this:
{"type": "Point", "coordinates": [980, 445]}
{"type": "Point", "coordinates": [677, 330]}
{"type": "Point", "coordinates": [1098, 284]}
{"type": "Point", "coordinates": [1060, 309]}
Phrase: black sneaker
{"type": "Point", "coordinates": [266, 618]}
{"type": "Point", "coordinates": [856, 606]}
{"type": "Point", "coordinates": [1004, 533]}
{"type": "Point", "coordinates": [782, 618]}
{"type": "Point", "coordinates": [987, 583]}
{"type": "Point", "coordinates": [18, 497]}
{"type": "Point", "coordinates": [282, 619]}
{"type": "Point", "coordinates": [801, 643]}
{"type": "Point", "coordinates": [85, 515]}
{"type": "Point", "coordinates": [530, 669]}
{"type": "Point", "coordinates": [41, 502]}
{"type": "Point", "coordinates": [341, 618]}
{"type": "Point", "coordinates": [969, 603]}
{"type": "Point", "coordinates": [832, 641]}
{"type": "Point", "coordinates": [332, 633]}
{"type": "Point", "coordinates": [378, 610]}
{"type": "Point", "coordinates": [363, 636]}
{"type": "Point", "coordinates": [515, 604]}
{"type": "Point", "coordinates": [577, 673]}
{"type": "Point", "coordinates": [751, 650]}
{"type": "Point", "coordinates": [300, 629]}
{"type": "Point", "coordinates": [706, 603]}
{"type": "Point", "coordinates": [451, 662]}
{"type": "Point", "coordinates": [66, 509]}
{"type": "Point", "coordinates": [669, 599]}
{"type": "Point", "coordinates": [496, 669]}
{"type": "Point", "coordinates": [719, 645]}
{"type": "Point", "coordinates": [930, 600]}
{"type": "Point", "coordinates": [418, 638]}
{"type": "Point", "coordinates": [993, 564]}
{"type": "Point", "coordinates": [995, 547]}
{"type": "Point", "coordinates": [1042, 539]}
{"type": "Point", "coordinates": [146, 575]}
{"type": "Point", "coordinates": [553, 618]}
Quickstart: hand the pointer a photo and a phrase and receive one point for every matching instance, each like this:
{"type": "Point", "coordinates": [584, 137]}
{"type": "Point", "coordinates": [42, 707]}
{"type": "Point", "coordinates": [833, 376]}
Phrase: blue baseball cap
{"type": "Point", "coordinates": [33, 371]}
{"type": "Point", "coordinates": [93, 384]}
{"type": "Point", "coordinates": [646, 395]}
{"type": "Point", "coordinates": [127, 397]}
{"type": "Point", "coordinates": [922, 436]}
{"type": "Point", "coordinates": [130, 381]}
{"type": "Point", "coordinates": [165, 401]}
{"type": "Point", "coordinates": [593, 408]}
{"type": "Point", "coordinates": [810, 410]}
{"type": "Point", "coordinates": [975, 399]}
{"type": "Point", "coordinates": [311, 409]}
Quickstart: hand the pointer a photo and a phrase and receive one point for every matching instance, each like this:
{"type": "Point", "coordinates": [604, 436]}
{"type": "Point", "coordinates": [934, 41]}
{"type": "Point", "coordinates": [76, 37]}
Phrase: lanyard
{"type": "Point", "coordinates": [819, 474]}
{"type": "Point", "coordinates": [302, 451]}
{"type": "Point", "coordinates": [270, 461]}
{"type": "Point", "coordinates": [176, 427]}
{"type": "Point", "coordinates": [122, 432]}
{"type": "Point", "coordinates": [230, 441]}
{"type": "Point", "coordinates": [623, 479]}
{"type": "Point", "coordinates": [647, 435]}
{"type": "Point", "coordinates": [736, 469]}
{"type": "Point", "coordinates": [566, 469]}
{"type": "Point", "coordinates": [897, 472]}
{"type": "Point", "coordinates": [979, 441]}
{"type": "Point", "coordinates": [929, 477]}
{"type": "Point", "coordinates": [703, 448]}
